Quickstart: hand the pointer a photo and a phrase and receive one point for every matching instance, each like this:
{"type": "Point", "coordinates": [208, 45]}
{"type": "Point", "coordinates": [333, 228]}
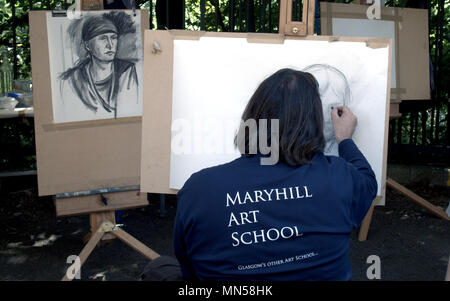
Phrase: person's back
{"type": "Point", "coordinates": [247, 221]}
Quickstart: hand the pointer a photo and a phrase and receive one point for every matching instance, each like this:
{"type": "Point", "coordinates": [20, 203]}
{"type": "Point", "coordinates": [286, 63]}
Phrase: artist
{"type": "Point", "coordinates": [284, 222]}
{"type": "Point", "coordinates": [101, 78]}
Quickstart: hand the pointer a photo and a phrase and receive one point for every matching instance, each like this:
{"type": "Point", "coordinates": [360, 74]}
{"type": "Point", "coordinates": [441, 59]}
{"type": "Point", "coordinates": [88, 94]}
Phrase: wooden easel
{"type": "Point", "coordinates": [101, 208]}
{"type": "Point", "coordinates": [297, 28]}
{"type": "Point", "coordinates": [88, 168]}
{"type": "Point", "coordinates": [306, 27]}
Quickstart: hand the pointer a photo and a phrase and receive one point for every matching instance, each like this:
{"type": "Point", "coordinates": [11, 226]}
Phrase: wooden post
{"type": "Point", "coordinates": [283, 16]}
{"type": "Point", "coordinates": [96, 219]}
{"type": "Point", "coordinates": [311, 16]}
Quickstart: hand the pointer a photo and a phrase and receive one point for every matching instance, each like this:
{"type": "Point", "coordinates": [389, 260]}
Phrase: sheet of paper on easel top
{"type": "Point", "coordinates": [77, 94]}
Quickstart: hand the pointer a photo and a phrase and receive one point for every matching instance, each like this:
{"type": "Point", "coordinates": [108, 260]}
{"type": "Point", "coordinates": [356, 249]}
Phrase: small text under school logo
{"type": "Point", "coordinates": [374, 270]}
{"type": "Point", "coordinates": [73, 271]}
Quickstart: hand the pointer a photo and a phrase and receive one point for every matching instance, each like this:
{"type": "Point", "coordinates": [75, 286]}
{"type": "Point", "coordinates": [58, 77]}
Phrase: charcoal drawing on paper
{"type": "Point", "coordinates": [96, 72]}
{"type": "Point", "coordinates": [334, 91]}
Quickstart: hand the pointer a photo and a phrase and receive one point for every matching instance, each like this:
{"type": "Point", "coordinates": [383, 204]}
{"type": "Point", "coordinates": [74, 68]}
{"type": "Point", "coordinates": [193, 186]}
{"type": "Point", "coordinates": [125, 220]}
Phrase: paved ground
{"type": "Point", "coordinates": [411, 243]}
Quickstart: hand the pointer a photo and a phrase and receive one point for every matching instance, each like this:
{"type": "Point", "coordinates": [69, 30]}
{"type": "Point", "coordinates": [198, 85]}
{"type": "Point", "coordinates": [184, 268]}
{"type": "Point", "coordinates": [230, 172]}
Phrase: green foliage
{"type": "Point", "coordinates": [225, 15]}
{"type": "Point", "coordinates": [17, 151]}
{"type": "Point", "coordinates": [22, 41]}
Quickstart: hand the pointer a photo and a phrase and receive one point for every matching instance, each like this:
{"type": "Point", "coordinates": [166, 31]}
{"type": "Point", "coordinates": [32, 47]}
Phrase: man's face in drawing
{"type": "Point", "coordinates": [329, 101]}
{"type": "Point", "coordinates": [104, 46]}
{"type": "Point", "coordinates": [331, 90]}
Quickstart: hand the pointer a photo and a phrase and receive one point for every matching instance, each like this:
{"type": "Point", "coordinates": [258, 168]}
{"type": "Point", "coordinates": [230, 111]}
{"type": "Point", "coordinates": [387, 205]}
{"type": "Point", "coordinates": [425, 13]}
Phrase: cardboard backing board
{"type": "Point", "coordinates": [78, 156]}
{"type": "Point", "coordinates": [158, 95]}
{"type": "Point", "coordinates": [410, 44]}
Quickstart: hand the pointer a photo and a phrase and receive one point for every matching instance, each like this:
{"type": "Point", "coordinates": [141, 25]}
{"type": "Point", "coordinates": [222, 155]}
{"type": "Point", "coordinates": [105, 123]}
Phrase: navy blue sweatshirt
{"type": "Point", "coordinates": [246, 221]}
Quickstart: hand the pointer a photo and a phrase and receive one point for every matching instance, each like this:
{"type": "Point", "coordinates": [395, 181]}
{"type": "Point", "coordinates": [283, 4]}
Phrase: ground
{"type": "Point", "coordinates": [412, 243]}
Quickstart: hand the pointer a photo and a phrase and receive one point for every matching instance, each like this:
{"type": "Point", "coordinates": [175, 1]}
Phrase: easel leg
{"type": "Point", "coordinates": [417, 199]}
{"type": "Point", "coordinates": [103, 226]}
{"type": "Point", "coordinates": [110, 228]}
{"type": "Point", "coordinates": [87, 250]}
{"type": "Point", "coordinates": [135, 244]}
{"type": "Point", "coordinates": [365, 225]}
{"type": "Point", "coordinates": [409, 194]}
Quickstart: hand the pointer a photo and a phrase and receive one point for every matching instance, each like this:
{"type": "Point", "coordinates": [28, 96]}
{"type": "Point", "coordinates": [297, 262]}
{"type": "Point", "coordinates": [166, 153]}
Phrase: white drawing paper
{"type": "Point", "coordinates": [214, 78]}
{"type": "Point", "coordinates": [343, 27]}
